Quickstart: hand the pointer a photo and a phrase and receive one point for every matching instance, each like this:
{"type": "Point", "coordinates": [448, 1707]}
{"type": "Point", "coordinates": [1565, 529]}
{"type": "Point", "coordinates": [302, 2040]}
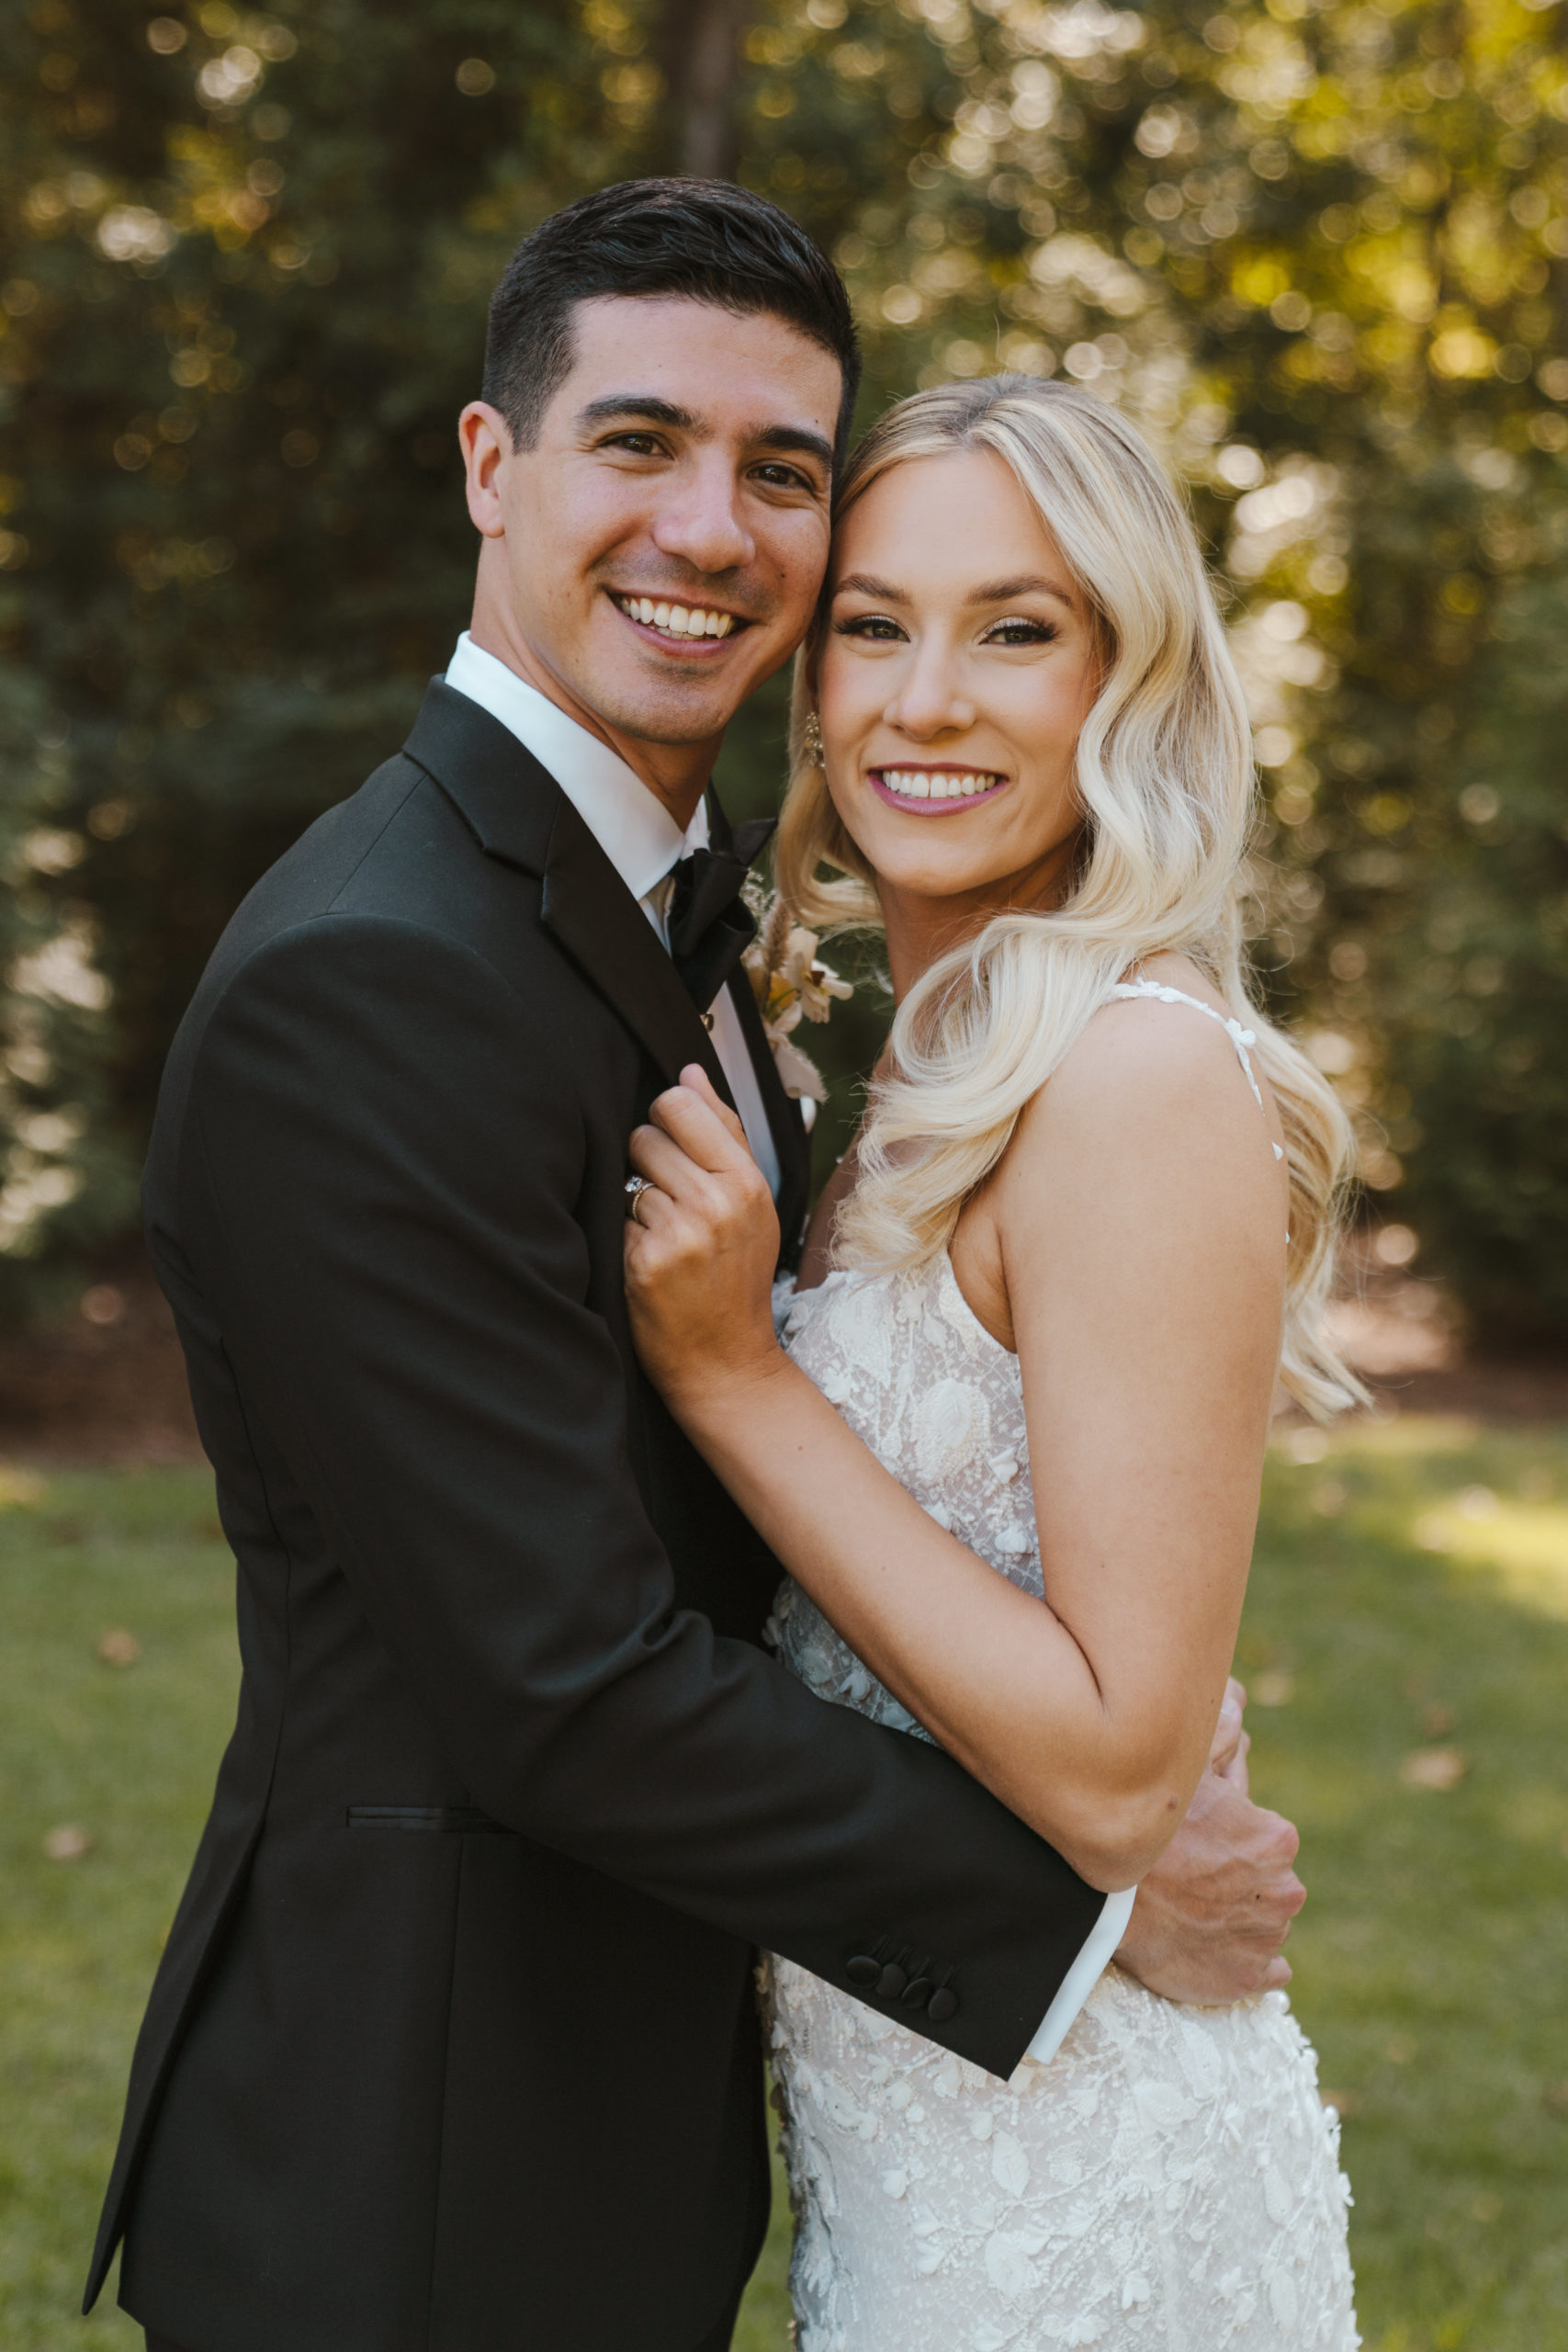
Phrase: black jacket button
{"type": "Point", "coordinates": [942, 2005]}
{"type": "Point", "coordinates": [917, 1994]}
{"type": "Point", "coordinates": [891, 1982]}
{"type": "Point", "coordinates": [863, 1969]}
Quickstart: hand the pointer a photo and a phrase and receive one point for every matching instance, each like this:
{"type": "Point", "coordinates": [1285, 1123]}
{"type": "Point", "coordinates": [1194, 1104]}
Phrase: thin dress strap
{"type": "Point", "coordinates": [1240, 1038]}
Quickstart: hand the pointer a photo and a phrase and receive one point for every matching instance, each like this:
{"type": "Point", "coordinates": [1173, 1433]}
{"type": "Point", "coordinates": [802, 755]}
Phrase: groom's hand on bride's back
{"type": "Point", "coordinates": [1212, 1914]}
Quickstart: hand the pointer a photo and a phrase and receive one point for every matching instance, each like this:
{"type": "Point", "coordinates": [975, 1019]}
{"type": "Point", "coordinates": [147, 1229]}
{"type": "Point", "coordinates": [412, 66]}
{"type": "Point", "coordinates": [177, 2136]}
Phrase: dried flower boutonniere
{"type": "Point", "coordinates": [789, 981]}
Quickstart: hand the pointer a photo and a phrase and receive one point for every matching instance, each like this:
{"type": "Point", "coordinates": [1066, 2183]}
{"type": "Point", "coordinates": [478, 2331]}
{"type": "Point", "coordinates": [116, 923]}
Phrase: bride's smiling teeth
{"type": "Point", "coordinates": [937, 783]}
{"type": "Point", "coordinates": [676, 621]}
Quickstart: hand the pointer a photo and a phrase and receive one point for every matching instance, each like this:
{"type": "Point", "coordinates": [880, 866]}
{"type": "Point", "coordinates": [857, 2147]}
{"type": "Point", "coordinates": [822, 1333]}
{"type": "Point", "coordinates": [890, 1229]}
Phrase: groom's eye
{"type": "Point", "coordinates": [774, 475]}
{"type": "Point", "coordinates": [636, 444]}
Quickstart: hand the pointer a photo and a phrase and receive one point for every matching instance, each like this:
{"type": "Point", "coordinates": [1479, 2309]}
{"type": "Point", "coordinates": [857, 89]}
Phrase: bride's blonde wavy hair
{"type": "Point", "coordinates": [1164, 780]}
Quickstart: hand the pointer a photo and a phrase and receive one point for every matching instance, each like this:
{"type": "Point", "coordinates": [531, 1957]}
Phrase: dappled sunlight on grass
{"type": "Point", "coordinates": [1517, 1529]}
{"type": "Point", "coordinates": [107, 1752]}
{"type": "Point", "coordinates": [1421, 1750]}
{"type": "Point", "coordinates": [1525, 1543]}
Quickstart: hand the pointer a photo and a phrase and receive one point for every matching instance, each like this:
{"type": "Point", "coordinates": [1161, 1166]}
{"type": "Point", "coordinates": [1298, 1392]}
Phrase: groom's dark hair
{"type": "Point", "coordinates": [705, 239]}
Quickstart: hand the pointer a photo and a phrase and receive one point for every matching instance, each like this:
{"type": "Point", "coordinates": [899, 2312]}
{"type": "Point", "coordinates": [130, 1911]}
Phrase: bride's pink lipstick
{"type": "Point", "coordinates": [939, 799]}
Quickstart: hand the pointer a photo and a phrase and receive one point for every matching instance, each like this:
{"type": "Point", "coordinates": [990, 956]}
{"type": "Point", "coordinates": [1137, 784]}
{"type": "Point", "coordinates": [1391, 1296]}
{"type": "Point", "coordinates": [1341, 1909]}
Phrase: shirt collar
{"type": "Point", "coordinates": [633, 829]}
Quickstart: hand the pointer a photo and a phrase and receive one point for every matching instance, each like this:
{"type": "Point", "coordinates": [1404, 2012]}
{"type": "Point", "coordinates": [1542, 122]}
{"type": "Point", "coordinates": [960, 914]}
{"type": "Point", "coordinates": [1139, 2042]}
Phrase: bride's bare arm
{"type": "Point", "coordinates": [1140, 1219]}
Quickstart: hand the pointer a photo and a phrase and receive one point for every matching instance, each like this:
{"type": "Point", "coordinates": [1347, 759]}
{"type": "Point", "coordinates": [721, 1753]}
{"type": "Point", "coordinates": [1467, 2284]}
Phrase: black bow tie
{"type": "Point", "coordinates": [710, 924]}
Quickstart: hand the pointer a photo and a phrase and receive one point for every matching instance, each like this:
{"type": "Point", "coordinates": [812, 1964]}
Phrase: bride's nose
{"type": "Point", "coordinates": [928, 700]}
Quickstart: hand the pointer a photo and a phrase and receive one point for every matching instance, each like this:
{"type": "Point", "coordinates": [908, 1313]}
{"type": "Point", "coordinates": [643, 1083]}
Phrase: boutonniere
{"type": "Point", "coordinates": [790, 982]}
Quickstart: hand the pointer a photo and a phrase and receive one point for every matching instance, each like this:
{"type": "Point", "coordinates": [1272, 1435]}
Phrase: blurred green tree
{"type": "Point", "coordinates": [1318, 247]}
{"type": "Point", "coordinates": [246, 258]}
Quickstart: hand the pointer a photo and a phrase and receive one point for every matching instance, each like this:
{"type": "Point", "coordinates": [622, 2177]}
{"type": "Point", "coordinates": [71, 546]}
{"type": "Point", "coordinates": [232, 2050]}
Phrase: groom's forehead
{"type": "Point", "coordinates": [696, 361]}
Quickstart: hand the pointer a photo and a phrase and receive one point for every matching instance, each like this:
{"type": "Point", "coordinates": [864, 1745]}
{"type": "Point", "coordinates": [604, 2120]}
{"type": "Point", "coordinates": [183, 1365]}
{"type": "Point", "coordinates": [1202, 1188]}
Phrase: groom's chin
{"type": "Point", "coordinates": [635, 699]}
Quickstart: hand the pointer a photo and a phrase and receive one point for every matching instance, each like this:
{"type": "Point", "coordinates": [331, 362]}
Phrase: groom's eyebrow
{"type": "Point", "coordinates": [797, 439]}
{"type": "Point", "coordinates": [647, 405]}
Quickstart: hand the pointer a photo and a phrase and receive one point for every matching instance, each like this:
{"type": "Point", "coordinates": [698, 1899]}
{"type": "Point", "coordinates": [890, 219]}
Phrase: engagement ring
{"type": "Point", "coordinates": [636, 1186]}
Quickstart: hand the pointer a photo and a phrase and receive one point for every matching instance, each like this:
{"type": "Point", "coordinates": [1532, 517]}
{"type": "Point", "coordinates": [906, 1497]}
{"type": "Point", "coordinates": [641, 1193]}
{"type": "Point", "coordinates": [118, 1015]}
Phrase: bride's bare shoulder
{"type": "Point", "coordinates": [1153, 1052]}
{"type": "Point", "coordinates": [1152, 1086]}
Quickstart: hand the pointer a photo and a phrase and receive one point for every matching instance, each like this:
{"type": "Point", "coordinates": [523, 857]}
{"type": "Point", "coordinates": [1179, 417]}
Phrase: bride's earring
{"type": "Point", "coordinates": [811, 740]}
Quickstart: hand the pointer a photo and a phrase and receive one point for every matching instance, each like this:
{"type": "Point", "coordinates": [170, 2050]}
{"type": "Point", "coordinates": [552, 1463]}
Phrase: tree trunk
{"type": "Point", "coordinates": [700, 46]}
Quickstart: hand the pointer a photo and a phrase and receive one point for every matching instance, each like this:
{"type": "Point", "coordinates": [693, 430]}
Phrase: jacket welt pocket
{"type": "Point", "coordinates": [455, 1820]}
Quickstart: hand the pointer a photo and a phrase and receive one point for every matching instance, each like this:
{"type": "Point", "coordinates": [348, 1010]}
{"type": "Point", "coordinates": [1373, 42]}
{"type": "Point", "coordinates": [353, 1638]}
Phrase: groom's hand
{"type": "Point", "coordinates": [1212, 1914]}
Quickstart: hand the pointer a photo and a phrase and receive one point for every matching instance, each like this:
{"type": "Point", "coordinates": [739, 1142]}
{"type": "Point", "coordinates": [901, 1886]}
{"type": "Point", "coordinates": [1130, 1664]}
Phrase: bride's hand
{"type": "Point", "coordinates": [701, 1243]}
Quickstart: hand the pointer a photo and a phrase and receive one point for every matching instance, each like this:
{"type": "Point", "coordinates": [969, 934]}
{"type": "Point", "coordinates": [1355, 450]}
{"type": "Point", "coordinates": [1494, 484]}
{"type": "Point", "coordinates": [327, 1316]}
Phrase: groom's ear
{"type": "Point", "coordinates": [486, 443]}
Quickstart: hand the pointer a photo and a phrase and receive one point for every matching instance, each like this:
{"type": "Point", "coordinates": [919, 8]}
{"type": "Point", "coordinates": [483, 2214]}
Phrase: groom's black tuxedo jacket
{"type": "Point", "coordinates": [452, 2048]}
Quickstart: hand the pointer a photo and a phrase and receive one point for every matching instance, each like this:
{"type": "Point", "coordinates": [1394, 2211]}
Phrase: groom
{"type": "Point", "coordinates": [452, 2048]}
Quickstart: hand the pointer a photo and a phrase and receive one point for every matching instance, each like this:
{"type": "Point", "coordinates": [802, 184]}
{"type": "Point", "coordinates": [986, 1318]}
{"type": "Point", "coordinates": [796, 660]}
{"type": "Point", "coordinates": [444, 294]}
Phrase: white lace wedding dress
{"type": "Point", "coordinates": [1169, 2182]}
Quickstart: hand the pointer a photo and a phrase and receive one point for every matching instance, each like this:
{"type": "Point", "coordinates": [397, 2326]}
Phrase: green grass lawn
{"type": "Point", "coordinates": [1406, 1641]}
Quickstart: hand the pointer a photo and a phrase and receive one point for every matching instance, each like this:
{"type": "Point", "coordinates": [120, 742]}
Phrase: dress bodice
{"type": "Point", "coordinates": [940, 1402]}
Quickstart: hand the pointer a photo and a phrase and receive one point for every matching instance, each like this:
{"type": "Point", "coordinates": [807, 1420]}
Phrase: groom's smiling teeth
{"type": "Point", "coordinates": [676, 621]}
{"type": "Point", "coordinates": [938, 783]}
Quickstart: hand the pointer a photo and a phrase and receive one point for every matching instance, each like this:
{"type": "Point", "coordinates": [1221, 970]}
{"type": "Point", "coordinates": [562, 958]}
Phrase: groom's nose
{"type": "Point", "coordinates": [699, 518]}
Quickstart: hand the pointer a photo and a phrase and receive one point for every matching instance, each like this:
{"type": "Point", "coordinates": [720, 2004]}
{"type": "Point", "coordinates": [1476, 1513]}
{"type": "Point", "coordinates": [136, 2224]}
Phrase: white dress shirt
{"type": "Point", "coordinates": [642, 842]}
{"type": "Point", "coordinates": [636, 833]}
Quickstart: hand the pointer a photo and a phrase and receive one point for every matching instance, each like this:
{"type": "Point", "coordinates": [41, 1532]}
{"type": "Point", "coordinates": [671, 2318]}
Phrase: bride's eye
{"type": "Point", "coordinates": [1018, 630]}
{"type": "Point", "coordinates": [877, 626]}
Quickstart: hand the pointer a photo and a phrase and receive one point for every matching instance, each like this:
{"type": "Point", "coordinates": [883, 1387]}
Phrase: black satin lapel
{"type": "Point", "coordinates": [705, 971]}
{"type": "Point", "coordinates": [746, 841]}
{"type": "Point", "coordinates": [589, 910]}
{"type": "Point", "coordinates": [785, 1124]}
{"type": "Point", "coordinates": [750, 840]}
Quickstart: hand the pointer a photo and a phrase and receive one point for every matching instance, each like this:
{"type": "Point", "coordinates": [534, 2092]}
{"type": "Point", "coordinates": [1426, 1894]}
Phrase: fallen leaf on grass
{"type": "Point", "coordinates": [118, 1647]}
{"type": "Point", "coordinates": [1344, 2103]}
{"type": "Point", "coordinates": [1433, 1767]}
{"type": "Point", "coordinates": [1275, 1690]}
{"type": "Point", "coordinates": [20, 1489]}
{"type": "Point", "coordinates": [1554, 2098]}
{"type": "Point", "coordinates": [66, 1843]}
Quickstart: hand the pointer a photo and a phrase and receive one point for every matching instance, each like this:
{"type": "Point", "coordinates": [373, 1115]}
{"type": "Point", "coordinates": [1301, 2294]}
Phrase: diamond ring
{"type": "Point", "coordinates": [635, 1187]}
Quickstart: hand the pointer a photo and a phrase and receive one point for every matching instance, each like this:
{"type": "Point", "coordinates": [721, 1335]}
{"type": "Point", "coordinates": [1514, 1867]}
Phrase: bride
{"type": "Point", "coordinates": [1009, 1447]}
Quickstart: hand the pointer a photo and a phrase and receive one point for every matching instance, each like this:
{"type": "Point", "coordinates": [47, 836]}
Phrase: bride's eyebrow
{"type": "Point", "coordinates": [862, 584]}
{"type": "Point", "coordinates": [1029, 584]}
{"type": "Point", "coordinates": [990, 591]}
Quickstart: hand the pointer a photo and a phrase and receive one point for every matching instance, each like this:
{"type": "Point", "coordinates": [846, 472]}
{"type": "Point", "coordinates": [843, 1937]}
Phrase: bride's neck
{"type": "Point", "coordinates": [920, 927]}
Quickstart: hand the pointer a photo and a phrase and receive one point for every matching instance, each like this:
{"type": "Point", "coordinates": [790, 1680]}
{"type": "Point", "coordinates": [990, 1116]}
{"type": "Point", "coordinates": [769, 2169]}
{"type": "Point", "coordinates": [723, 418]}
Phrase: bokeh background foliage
{"type": "Point", "coordinates": [1320, 247]}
